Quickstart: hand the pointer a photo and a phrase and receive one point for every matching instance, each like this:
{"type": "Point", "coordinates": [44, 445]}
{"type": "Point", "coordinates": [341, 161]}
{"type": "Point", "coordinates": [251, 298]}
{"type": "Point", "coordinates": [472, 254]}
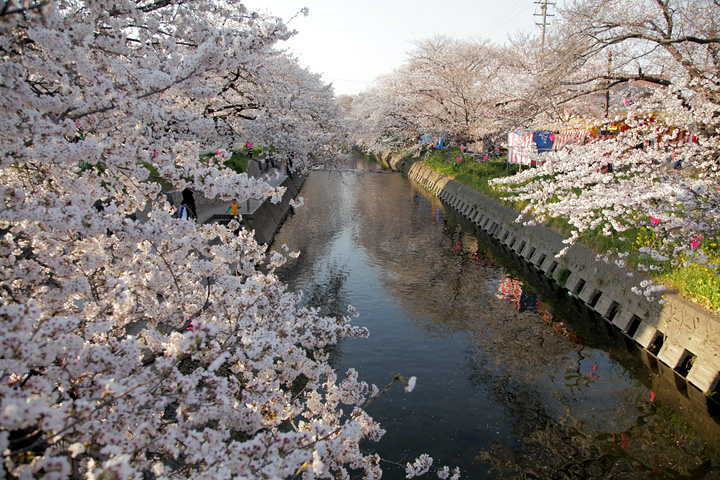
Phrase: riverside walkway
{"type": "Point", "coordinates": [259, 215]}
{"type": "Point", "coordinates": [218, 209]}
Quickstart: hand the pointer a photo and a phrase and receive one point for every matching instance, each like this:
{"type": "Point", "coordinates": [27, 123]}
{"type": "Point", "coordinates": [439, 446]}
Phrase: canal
{"type": "Point", "coordinates": [514, 379]}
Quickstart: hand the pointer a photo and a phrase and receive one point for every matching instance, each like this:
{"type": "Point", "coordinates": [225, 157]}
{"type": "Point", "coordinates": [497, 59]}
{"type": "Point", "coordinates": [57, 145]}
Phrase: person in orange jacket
{"type": "Point", "coordinates": [233, 208]}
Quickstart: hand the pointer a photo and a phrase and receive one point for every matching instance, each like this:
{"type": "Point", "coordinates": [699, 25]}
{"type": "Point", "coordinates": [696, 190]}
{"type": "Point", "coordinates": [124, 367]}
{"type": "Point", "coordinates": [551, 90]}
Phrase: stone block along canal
{"type": "Point", "coordinates": [514, 378]}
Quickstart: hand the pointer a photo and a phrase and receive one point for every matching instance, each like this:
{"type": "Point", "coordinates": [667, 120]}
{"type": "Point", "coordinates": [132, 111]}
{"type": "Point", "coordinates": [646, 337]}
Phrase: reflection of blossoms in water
{"type": "Point", "coordinates": [437, 215]}
{"type": "Point", "coordinates": [556, 451]}
{"type": "Point", "coordinates": [484, 260]}
{"type": "Point", "coordinates": [457, 248]}
{"type": "Point", "coordinates": [546, 448]}
{"type": "Point", "coordinates": [511, 290]}
{"type": "Point", "coordinates": [560, 327]}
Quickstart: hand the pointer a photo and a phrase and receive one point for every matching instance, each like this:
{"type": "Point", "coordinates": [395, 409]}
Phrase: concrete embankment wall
{"type": "Point", "coordinates": [681, 335]}
{"type": "Point", "coordinates": [393, 161]}
{"type": "Point", "coordinates": [268, 218]}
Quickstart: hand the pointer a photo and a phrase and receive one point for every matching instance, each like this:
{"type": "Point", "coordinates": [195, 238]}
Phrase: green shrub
{"type": "Point", "coordinates": [238, 162]}
{"type": "Point", "coordinates": [561, 276]}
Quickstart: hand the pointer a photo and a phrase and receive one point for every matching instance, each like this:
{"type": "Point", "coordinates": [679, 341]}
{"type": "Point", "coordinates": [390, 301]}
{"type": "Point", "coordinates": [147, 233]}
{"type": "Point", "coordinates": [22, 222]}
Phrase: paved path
{"type": "Point", "coordinates": [220, 207]}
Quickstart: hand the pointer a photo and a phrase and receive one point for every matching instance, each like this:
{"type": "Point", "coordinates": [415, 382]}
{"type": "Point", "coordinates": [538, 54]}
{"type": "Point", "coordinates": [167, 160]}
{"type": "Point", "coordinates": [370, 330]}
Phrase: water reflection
{"type": "Point", "coordinates": [514, 380]}
{"type": "Point", "coordinates": [511, 290]}
{"type": "Point", "coordinates": [329, 296]}
{"type": "Point", "coordinates": [353, 161]}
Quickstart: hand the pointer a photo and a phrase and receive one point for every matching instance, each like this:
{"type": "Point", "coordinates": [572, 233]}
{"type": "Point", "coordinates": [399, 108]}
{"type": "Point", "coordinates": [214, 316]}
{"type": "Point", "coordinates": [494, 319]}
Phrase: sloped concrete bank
{"type": "Point", "coordinates": [268, 218]}
{"type": "Point", "coordinates": [679, 334]}
{"type": "Point", "coordinates": [393, 161]}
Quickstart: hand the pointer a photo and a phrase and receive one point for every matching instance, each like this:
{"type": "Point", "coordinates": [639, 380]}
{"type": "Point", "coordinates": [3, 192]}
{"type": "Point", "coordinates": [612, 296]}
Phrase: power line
{"type": "Point", "coordinates": [505, 18]}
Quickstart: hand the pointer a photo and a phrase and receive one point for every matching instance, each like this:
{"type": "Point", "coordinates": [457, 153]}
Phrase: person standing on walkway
{"type": "Point", "coordinates": [183, 212]}
{"type": "Point", "coordinates": [289, 164]}
{"type": "Point", "coordinates": [233, 208]}
{"type": "Point", "coordinates": [189, 201]}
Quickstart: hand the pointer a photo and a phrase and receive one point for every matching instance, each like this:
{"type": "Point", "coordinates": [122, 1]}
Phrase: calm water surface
{"type": "Point", "coordinates": [514, 380]}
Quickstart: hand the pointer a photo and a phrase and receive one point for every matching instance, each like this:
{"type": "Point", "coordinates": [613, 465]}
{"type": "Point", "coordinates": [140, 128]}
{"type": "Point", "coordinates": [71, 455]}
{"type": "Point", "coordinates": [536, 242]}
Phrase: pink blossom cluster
{"type": "Point", "coordinates": [682, 205]}
{"type": "Point", "coordinates": [135, 343]}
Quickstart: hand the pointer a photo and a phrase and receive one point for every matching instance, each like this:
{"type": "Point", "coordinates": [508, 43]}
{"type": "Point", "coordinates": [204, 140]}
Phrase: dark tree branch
{"type": "Point", "coordinates": [6, 10]}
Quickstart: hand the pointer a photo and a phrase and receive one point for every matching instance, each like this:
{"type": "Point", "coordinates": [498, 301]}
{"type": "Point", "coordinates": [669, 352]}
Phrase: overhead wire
{"type": "Point", "coordinates": [502, 20]}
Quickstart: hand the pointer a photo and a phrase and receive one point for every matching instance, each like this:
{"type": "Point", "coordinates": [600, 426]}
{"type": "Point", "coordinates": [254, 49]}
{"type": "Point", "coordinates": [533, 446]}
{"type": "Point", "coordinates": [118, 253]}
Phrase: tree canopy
{"type": "Point", "coordinates": [135, 343]}
{"type": "Point", "coordinates": [647, 69]}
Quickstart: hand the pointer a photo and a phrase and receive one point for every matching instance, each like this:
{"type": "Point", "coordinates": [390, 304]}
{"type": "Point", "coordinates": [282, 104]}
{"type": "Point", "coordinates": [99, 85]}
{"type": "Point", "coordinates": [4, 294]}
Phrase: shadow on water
{"type": "Point", "coordinates": [516, 378]}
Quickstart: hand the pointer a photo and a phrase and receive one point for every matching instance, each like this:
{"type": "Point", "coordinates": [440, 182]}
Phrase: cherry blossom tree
{"type": "Point", "coordinates": [299, 112]}
{"type": "Point", "coordinates": [441, 79]}
{"type": "Point", "coordinates": [469, 88]}
{"type": "Point", "coordinates": [676, 39]}
{"type": "Point", "coordinates": [276, 102]}
{"type": "Point", "coordinates": [661, 171]}
{"type": "Point", "coordinates": [135, 343]}
{"type": "Point", "coordinates": [381, 118]}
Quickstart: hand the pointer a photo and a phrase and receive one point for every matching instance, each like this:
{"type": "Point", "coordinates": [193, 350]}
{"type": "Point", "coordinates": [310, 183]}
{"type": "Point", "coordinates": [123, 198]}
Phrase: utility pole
{"type": "Point", "coordinates": [607, 86]}
{"type": "Point", "coordinates": [544, 14]}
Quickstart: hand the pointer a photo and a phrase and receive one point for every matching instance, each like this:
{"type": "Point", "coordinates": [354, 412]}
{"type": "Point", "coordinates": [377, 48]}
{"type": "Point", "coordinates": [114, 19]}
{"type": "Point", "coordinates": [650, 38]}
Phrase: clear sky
{"type": "Point", "coordinates": [351, 42]}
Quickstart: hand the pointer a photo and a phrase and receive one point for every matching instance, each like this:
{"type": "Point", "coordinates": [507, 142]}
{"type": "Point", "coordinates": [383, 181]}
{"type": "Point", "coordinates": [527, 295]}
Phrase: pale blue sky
{"type": "Point", "coordinates": [352, 42]}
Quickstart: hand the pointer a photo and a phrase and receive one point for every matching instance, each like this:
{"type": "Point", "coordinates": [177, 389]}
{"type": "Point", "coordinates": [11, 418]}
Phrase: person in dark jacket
{"type": "Point", "coordinates": [289, 165]}
{"type": "Point", "coordinates": [189, 200]}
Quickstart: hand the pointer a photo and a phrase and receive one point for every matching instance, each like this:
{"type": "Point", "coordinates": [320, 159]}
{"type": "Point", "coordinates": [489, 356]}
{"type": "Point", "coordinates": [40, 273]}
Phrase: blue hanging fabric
{"type": "Point", "coordinates": [544, 140]}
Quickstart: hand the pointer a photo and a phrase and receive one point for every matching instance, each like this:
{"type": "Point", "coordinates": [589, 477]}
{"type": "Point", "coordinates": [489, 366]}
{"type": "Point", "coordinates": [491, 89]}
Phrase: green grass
{"type": "Point", "coordinates": [155, 176]}
{"type": "Point", "coordinates": [475, 174]}
{"type": "Point", "coordinates": [694, 281]}
{"type": "Point", "coordinates": [237, 162]}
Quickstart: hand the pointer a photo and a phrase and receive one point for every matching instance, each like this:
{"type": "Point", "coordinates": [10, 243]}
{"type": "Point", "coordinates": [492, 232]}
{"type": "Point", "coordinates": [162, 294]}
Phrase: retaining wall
{"type": "Point", "coordinates": [680, 334]}
{"type": "Point", "coordinates": [266, 220]}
